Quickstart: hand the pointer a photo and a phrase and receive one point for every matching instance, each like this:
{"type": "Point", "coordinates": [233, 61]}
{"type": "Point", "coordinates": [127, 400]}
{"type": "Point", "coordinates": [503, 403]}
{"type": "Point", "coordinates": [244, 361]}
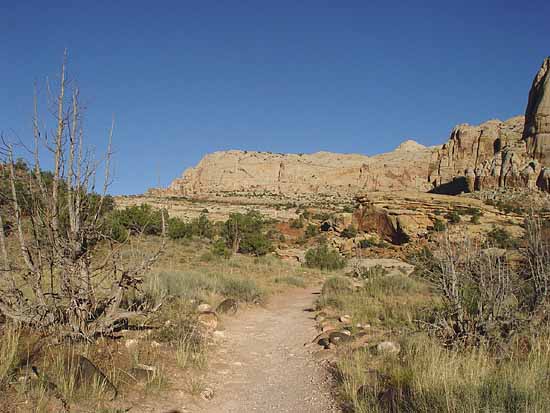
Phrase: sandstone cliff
{"type": "Point", "coordinates": [489, 155]}
{"type": "Point", "coordinates": [295, 174]}
{"type": "Point", "coordinates": [537, 116]}
{"type": "Point", "coordinates": [513, 153]}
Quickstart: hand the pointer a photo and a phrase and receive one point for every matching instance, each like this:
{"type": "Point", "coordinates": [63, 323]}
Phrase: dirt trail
{"type": "Point", "coordinates": [262, 364]}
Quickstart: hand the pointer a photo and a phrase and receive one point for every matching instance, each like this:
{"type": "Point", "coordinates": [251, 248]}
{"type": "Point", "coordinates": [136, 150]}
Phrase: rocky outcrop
{"type": "Point", "coordinates": [499, 154]}
{"type": "Point", "coordinates": [537, 116]}
{"type": "Point", "coordinates": [489, 155]}
{"type": "Point", "coordinates": [398, 217]}
{"type": "Point", "coordinates": [297, 174]}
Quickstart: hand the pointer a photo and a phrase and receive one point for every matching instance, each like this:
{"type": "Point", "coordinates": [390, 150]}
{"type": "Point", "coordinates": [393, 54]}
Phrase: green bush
{"type": "Point", "coordinates": [199, 227]}
{"type": "Point", "coordinates": [475, 219]}
{"type": "Point", "coordinates": [453, 217]}
{"type": "Point", "coordinates": [245, 233]}
{"type": "Point", "coordinates": [177, 229]}
{"type": "Point", "coordinates": [219, 249]}
{"type": "Point", "coordinates": [202, 227]}
{"type": "Point", "coordinates": [439, 225]}
{"type": "Point", "coordinates": [242, 290]}
{"type": "Point", "coordinates": [297, 223]}
{"type": "Point", "coordinates": [324, 258]}
{"type": "Point", "coordinates": [311, 231]}
{"type": "Point", "coordinates": [255, 244]}
{"type": "Point", "coordinates": [138, 219]}
{"type": "Point", "coordinates": [499, 237]}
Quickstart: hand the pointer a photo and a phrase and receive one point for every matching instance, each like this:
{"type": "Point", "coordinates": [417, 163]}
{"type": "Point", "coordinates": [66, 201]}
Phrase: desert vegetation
{"type": "Point", "coordinates": [103, 306]}
{"type": "Point", "coordinates": [468, 327]}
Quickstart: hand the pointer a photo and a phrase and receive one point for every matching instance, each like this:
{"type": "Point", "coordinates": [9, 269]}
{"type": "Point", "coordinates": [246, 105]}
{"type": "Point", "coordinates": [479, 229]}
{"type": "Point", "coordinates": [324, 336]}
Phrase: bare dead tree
{"type": "Point", "coordinates": [479, 288]}
{"type": "Point", "coordinates": [57, 281]}
{"type": "Point", "coordinates": [537, 256]}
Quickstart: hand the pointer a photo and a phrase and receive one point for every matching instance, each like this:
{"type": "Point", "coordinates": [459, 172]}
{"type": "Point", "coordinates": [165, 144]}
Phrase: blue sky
{"type": "Point", "coordinates": [184, 78]}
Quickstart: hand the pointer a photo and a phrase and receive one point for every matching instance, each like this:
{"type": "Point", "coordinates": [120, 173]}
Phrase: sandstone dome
{"type": "Point", "coordinates": [410, 146]}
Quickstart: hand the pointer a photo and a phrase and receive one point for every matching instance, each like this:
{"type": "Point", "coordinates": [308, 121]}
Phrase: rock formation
{"type": "Point", "coordinates": [499, 154]}
{"type": "Point", "coordinates": [479, 157]}
{"type": "Point", "coordinates": [400, 216]}
{"type": "Point", "coordinates": [537, 116]}
{"type": "Point", "coordinates": [296, 174]}
{"type": "Point", "coordinates": [494, 154]}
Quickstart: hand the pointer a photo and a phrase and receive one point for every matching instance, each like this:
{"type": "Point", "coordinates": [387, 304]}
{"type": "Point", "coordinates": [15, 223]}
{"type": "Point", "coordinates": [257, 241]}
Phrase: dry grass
{"type": "Point", "coordinates": [176, 347]}
{"type": "Point", "coordinates": [392, 302]}
{"type": "Point", "coordinates": [428, 378]}
{"type": "Point", "coordinates": [9, 346]}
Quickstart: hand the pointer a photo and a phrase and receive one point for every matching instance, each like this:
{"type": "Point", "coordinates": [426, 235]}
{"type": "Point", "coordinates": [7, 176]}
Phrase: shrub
{"type": "Point", "coordinates": [242, 290]}
{"type": "Point", "coordinates": [367, 243]}
{"type": "Point", "coordinates": [219, 249]}
{"type": "Point", "coordinates": [138, 219]}
{"type": "Point", "coordinates": [297, 223]}
{"type": "Point", "coordinates": [324, 258]}
{"type": "Point", "coordinates": [439, 225]}
{"type": "Point", "coordinates": [337, 285]}
{"type": "Point", "coordinates": [453, 217]}
{"type": "Point", "coordinates": [480, 290]}
{"type": "Point", "coordinates": [255, 244]}
{"type": "Point", "coordinates": [9, 341]}
{"type": "Point", "coordinates": [499, 237]}
{"type": "Point", "coordinates": [200, 227]}
{"type": "Point", "coordinates": [311, 231]}
{"type": "Point", "coordinates": [429, 378]}
{"type": "Point", "coordinates": [349, 232]}
{"type": "Point", "coordinates": [177, 229]}
{"type": "Point", "coordinates": [372, 273]}
{"type": "Point", "coordinates": [244, 233]}
{"type": "Point", "coordinates": [475, 219]}
{"type": "Point", "coordinates": [199, 285]}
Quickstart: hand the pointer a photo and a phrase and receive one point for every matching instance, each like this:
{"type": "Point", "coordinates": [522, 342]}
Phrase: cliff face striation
{"type": "Point", "coordinates": [495, 154]}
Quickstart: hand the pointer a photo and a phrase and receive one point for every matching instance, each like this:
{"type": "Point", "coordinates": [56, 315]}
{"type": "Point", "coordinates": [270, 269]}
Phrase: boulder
{"type": "Point", "coordinates": [293, 255]}
{"type": "Point", "coordinates": [227, 306]}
